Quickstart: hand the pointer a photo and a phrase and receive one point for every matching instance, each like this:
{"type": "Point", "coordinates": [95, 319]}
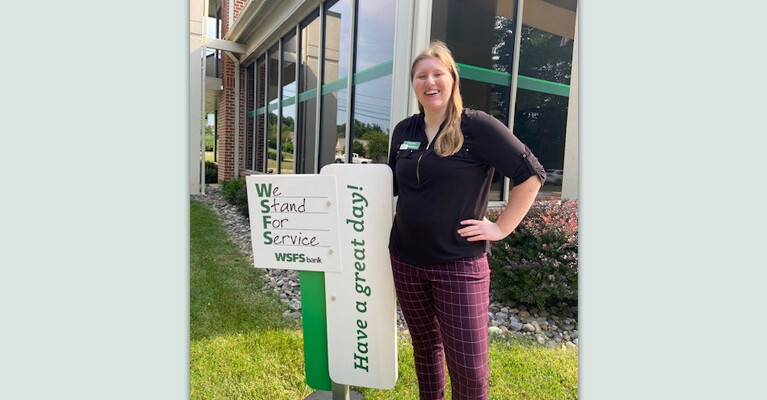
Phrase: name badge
{"type": "Point", "coordinates": [408, 145]}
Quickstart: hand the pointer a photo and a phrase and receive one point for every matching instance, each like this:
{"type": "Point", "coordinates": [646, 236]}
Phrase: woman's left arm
{"type": "Point", "coordinates": [499, 148]}
{"type": "Point", "coordinates": [521, 198]}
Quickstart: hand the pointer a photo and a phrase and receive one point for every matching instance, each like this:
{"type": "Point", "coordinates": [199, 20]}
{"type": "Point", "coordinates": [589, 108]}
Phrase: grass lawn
{"type": "Point", "coordinates": [240, 345]}
{"type": "Point", "coordinates": [286, 163]}
{"type": "Point", "coordinates": [242, 348]}
{"type": "Point", "coordinates": [208, 156]}
{"type": "Point", "coordinates": [519, 369]}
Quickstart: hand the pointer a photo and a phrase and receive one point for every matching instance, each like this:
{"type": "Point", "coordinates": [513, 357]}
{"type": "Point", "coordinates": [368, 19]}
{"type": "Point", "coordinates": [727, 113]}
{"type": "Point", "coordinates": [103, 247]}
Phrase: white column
{"type": "Point", "coordinates": [403, 33]}
{"type": "Point", "coordinates": [513, 91]}
{"type": "Point", "coordinates": [570, 175]}
{"type": "Point", "coordinates": [420, 39]}
{"type": "Point", "coordinates": [196, 15]}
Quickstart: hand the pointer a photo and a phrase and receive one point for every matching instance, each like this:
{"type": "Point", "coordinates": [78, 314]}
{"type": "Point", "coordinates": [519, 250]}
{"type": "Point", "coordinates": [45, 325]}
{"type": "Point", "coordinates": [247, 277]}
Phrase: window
{"type": "Point", "coordinates": [260, 121]}
{"type": "Point", "coordinates": [288, 104]}
{"type": "Point", "coordinates": [372, 81]}
{"type": "Point", "coordinates": [545, 62]}
{"type": "Point", "coordinates": [250, 136]}
{"type": "Point", "coordinates": [287, 88]}
{"type": "Point", "coordinates": [272, 72]}
{"type": "Point", "coordinates": [480, 34]}
{"type": "Point", "coordinates": [307, 85]}
{"type": "Point", "coordinates": [334, 88]}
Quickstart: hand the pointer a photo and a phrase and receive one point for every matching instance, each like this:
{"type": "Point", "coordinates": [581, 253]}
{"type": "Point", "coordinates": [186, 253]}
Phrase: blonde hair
{"type": "Point", "coordinates": [451, 139]}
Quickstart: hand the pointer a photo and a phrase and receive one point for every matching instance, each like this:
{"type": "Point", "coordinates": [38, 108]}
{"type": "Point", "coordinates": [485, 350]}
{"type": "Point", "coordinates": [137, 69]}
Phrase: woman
{"type": "Point", "coordinates": [443, 161]}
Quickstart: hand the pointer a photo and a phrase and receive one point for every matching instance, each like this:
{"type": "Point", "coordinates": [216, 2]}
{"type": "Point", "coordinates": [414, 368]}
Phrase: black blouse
{"type": "Point", "coordinates": [436, 193]}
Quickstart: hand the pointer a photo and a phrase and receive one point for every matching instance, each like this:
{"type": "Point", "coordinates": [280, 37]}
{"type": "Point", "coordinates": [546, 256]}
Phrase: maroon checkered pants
{"type": "Point", "coordinates": [445, 308]}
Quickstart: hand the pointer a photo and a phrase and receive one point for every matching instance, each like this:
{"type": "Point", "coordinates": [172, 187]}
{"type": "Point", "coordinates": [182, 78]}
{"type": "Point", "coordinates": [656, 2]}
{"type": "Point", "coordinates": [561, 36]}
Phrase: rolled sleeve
{"type": "Point", "coordinates": [504, 151]}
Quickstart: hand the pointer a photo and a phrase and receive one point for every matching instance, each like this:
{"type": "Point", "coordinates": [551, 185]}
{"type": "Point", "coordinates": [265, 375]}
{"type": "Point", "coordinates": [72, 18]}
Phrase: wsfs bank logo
{"type": "Point", "coordinates": [297, 257]}
{"type": "Point", "coordinates": [290, 257]}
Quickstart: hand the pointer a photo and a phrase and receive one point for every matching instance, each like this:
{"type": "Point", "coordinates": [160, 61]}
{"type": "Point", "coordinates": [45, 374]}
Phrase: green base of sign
{"type": "Point", "coordinates": [315, 328]}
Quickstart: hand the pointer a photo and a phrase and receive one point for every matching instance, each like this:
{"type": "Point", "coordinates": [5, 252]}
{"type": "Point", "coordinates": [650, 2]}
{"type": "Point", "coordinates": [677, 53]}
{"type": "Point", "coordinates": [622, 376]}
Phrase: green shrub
{"type": "Point", "coordinates": [229, 188]}
{"type": "Point", "coordinates": [241, 200]}
{"type": "Point", "coordinates": [211, 172]}
{"type": "Point", "coordinates": [208, 143]}
{"type": "Point", "coordinates": [236, 193]}
{"type": "Point", "coordinates": [538, 263]}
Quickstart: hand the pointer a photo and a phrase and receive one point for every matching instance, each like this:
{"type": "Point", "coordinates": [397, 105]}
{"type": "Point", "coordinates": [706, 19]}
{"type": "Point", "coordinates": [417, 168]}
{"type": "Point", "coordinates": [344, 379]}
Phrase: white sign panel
{"type": "Point", "coordinates": [294, 222]}
{"type": "Point", "coordinates": [360, 299]}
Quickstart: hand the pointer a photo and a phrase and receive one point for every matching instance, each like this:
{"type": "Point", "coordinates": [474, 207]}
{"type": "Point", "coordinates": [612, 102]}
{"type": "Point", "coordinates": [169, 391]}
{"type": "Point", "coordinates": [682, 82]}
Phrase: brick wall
{"type": "Point", "coordinates": [226, 105]}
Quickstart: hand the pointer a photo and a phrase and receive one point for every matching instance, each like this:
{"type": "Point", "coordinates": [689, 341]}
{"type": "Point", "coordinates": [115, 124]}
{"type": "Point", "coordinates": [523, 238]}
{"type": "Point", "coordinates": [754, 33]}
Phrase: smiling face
{"type": "Point", "coordinates": [432, 84]}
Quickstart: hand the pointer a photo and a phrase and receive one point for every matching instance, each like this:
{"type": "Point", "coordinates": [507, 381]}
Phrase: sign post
{"type": "Point", "coordinates": [334, 228]}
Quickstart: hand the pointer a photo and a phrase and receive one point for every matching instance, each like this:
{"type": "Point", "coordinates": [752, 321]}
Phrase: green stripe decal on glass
{"type": "Point", "coordinates": [307, 95]}
{"type": "Point", "coordinates": [471, 72]}
{"type": "Point", "coordinates": [363, 76]}
{"type": "Point", "coordinates": [333, 86]}
{"type": "Point", "coordinates": [466, 71]}
{"type": "Point", "coordinates": [539, 85]}
{"type": "Point", "coordinates": [315, 325]}
{"type": "Point", "coordinates": [373, 72]}
{"type": "Point", "coordinates": [287, 101]}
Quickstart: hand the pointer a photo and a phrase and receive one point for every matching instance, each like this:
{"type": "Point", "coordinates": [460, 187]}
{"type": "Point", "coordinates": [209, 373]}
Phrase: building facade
{"type": "Point", "coordinates": [296, 84]}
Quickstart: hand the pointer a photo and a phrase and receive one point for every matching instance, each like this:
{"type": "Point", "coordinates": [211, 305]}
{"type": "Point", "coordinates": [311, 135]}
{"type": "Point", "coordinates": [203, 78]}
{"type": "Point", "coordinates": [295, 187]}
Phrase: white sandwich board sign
{"type": "Point", "coordinates": [337, 222]}
{"type": "Point", "coordinates": [362, 342]}
{"type": "Point", "coordinates": [294, 222]}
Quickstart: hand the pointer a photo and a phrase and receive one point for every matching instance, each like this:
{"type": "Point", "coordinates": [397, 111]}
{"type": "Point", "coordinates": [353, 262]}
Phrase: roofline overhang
{"type": "Point", "coordinates": [242, 24]}
{"type": "Point", "coordinates": [225, 45]}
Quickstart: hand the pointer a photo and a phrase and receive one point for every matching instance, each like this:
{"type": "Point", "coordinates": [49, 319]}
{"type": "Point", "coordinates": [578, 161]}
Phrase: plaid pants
{"type": "Point", "coordinates": [445, 307]}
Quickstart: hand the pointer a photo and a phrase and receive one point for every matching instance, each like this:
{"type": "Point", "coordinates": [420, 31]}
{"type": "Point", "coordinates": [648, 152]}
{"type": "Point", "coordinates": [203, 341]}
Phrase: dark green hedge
{"type": "Point", "coordinates": [236, 193]}
{"type": "Point", "coordinates": [211, 172]}
{"type": "Point", "coordinates": [538, 262]}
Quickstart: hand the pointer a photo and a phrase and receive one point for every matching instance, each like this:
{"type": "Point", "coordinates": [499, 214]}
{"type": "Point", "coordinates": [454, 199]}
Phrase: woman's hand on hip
{"type": "Point", "coordinates": [481, 230]}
